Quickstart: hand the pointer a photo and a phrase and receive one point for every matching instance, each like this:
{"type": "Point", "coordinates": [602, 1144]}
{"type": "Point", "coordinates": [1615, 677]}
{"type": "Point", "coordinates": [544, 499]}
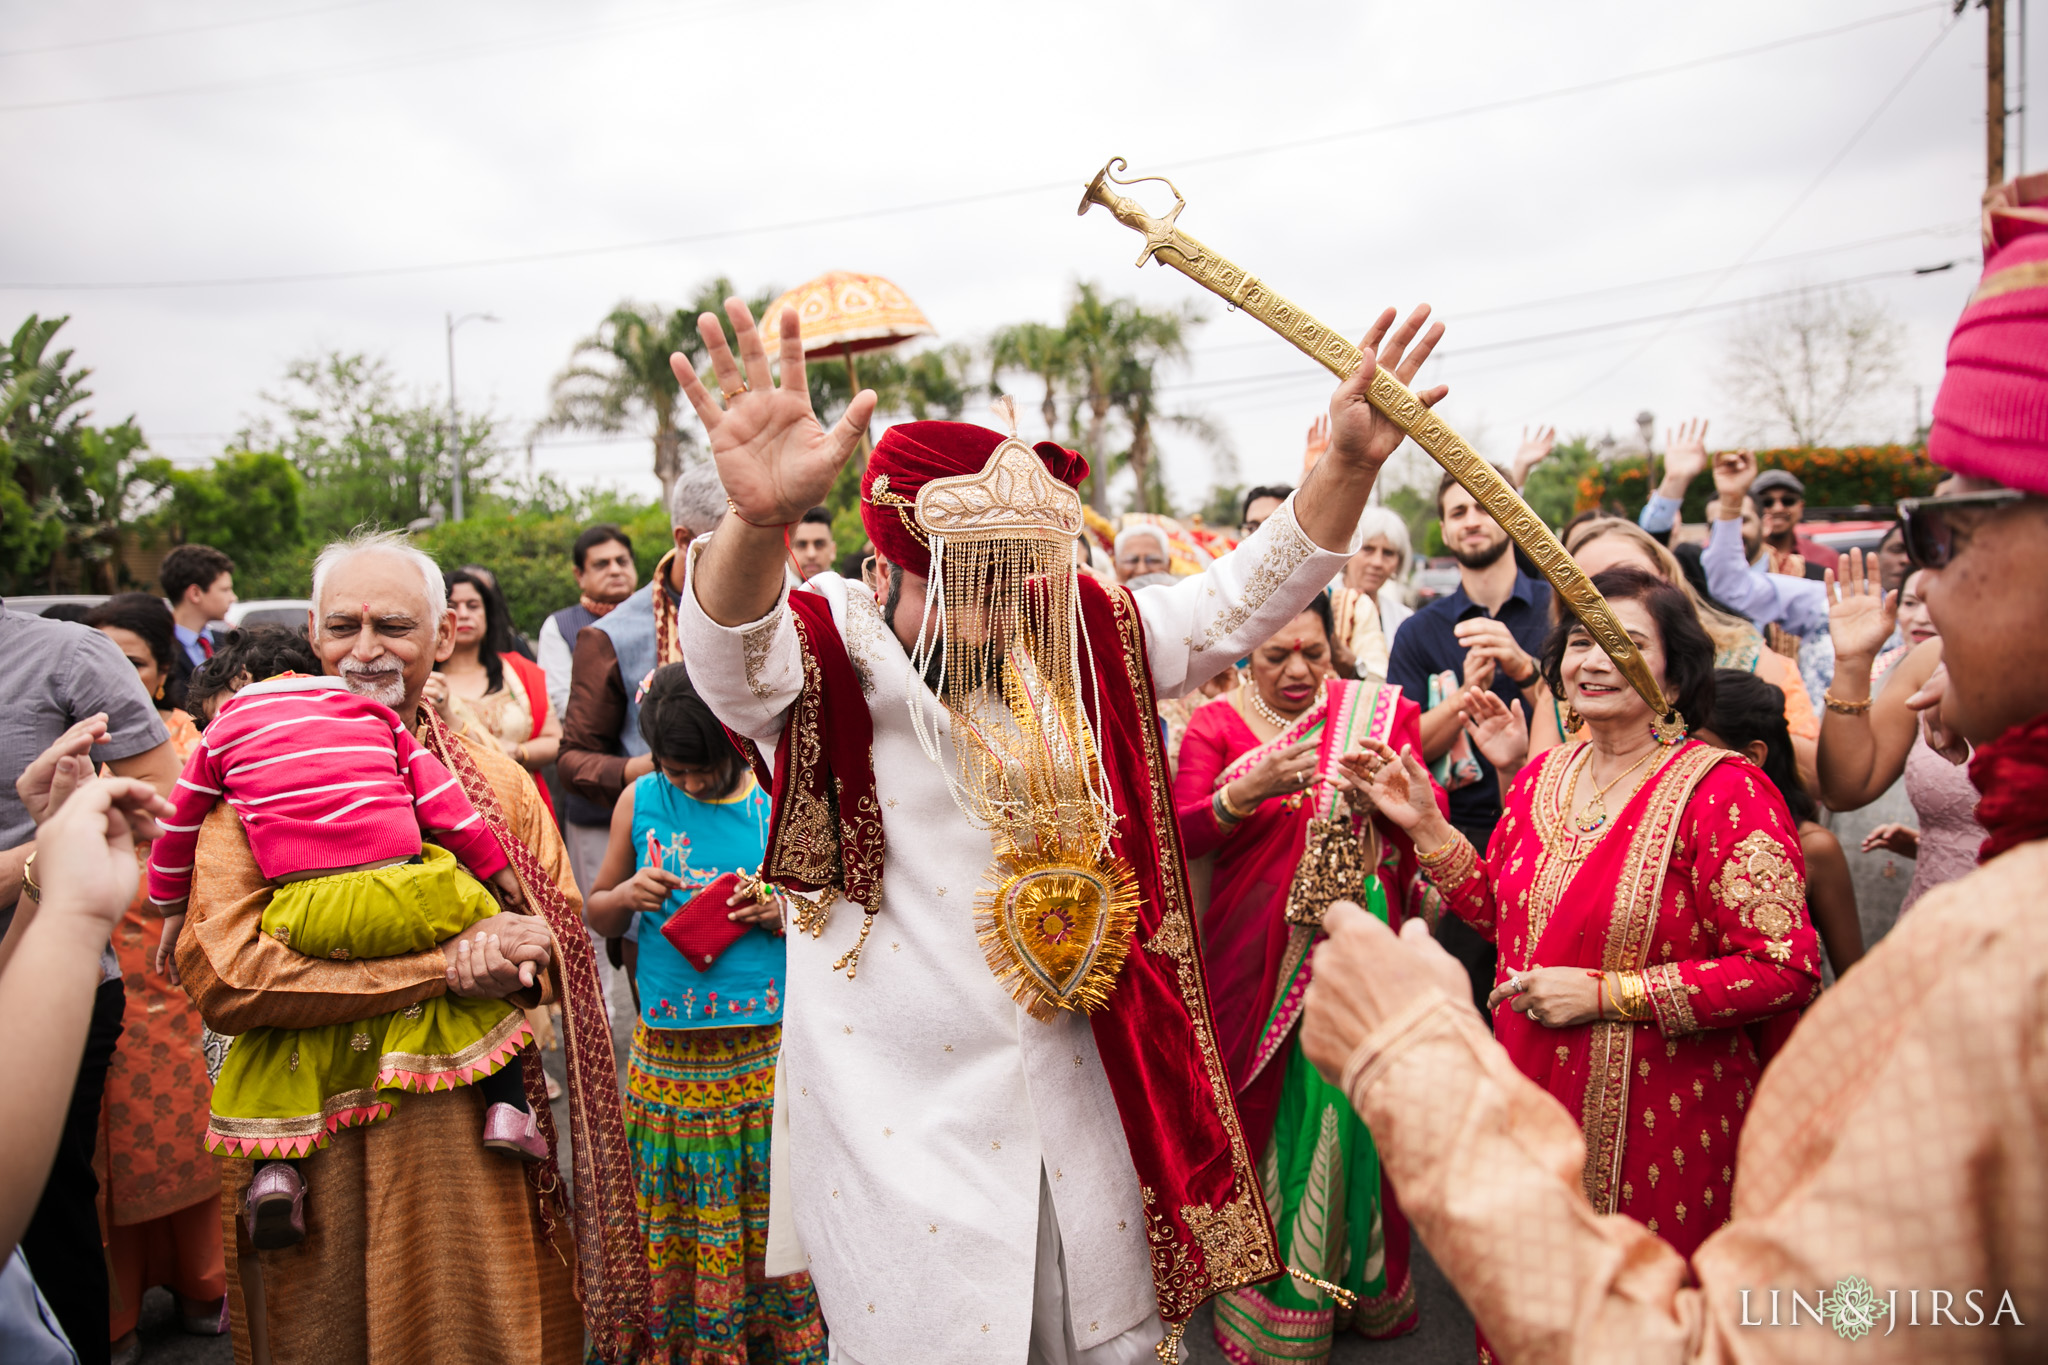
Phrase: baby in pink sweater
{"type": "Point", "coordinates": [335, 796]}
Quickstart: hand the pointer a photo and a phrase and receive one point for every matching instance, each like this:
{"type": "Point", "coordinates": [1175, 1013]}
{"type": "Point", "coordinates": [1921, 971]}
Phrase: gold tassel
{"type": "Point", "coordinates": [1342, 1295]}
{"type": "Point", "coordinates": [849, 961]}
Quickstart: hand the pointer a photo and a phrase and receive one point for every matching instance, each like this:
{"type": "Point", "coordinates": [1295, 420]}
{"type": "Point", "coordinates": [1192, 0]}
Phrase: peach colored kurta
{"type": "Point", "coordinates": [421, 1245]}
{"type": "Point", "coordinates": [1901, 1138]}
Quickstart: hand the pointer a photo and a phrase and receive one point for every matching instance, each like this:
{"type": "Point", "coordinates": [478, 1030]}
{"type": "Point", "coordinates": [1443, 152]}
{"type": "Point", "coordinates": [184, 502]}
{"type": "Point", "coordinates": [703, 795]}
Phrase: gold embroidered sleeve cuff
{"type": "Point", "coordinates": [1670, 999]}
{"type": "Point", "coordinates": [1452, 865]}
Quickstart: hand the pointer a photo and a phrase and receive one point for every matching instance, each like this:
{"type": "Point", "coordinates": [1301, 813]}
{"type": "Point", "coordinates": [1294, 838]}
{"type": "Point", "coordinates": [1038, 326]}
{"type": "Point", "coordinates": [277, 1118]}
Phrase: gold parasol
{"type": "Point", "coordinates": [1167, 244]}
{"type": "Point", "coordinates": [843, 312]}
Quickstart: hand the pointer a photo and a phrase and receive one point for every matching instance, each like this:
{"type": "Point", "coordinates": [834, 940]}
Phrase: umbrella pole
{"type": "Point", "coordinates": [853, 390]}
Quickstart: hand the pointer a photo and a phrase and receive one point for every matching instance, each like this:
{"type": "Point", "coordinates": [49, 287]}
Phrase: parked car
{"type": "Point", "coordinates": [1844, 536]}
{"type": "Point", "coordinates": [1438, 577]}
{"type": "Point", "coordinates": [33, 606]}
{"type": "Point", "coordinates": [268, 611]}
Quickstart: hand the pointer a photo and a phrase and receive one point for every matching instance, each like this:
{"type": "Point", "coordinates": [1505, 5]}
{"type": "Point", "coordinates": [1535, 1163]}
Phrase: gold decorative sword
{"type": "Point", "coordinates": [1168, 244]}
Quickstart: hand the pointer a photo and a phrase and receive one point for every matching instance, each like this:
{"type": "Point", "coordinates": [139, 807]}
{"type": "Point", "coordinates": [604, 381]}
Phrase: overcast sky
{"type": "Point", "coordinates": [406, 146]}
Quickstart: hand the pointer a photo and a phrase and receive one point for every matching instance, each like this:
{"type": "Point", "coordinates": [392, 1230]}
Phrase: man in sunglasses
{"type": "Point", "coordinates": [1896, 1151]}
{"type": "Point", "coordinates": [1780, 503]}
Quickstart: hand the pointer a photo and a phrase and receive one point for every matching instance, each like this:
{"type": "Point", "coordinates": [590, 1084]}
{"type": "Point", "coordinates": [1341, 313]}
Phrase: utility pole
{"type": "Point", "coordinates": [454, 421]}
{"type": "Point", "coordinates": [1994, 92]}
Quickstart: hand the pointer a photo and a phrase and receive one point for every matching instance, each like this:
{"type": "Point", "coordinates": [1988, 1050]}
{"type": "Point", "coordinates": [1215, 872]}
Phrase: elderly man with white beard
{"type": "Point", "coordinates": [421, 1245]}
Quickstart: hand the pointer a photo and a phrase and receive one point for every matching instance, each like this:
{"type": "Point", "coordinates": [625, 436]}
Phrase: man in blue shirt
{"type": "Point", "coordinates": [199, 583]}
{"type": "Point", "coordinates": [1487, 634]}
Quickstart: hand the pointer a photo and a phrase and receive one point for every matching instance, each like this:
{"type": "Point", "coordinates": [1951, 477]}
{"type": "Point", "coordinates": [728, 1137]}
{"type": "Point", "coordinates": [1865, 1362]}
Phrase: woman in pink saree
{"type": "Point", "coordinates": [1650, 906]}
{"type": "Point", "coordinates": [1261, 787]}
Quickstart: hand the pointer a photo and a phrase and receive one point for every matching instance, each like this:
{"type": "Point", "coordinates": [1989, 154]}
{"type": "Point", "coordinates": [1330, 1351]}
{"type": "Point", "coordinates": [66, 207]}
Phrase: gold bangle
{"type": "Point", "coordinates": [1230, 811]}
{"type": "Point", "coordinates": [1443, 852]}
{"type": "Point", "coordinates": [1631, 997]}
{"type": "Point", "coordinates": [519, 754]}
{"type": "Point", "coordinates": [1845, 708]}
{"type": "Point", "coordinates": [28, 878]}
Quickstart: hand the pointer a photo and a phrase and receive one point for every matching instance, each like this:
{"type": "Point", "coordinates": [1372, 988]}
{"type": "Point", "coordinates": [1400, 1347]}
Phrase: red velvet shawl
{"type": "Point", "coordinates": [1206, 1220]}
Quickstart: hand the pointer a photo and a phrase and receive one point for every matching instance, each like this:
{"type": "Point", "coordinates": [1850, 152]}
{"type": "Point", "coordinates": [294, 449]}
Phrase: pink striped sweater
{"type": "Point", "coordinates": [321, 778]}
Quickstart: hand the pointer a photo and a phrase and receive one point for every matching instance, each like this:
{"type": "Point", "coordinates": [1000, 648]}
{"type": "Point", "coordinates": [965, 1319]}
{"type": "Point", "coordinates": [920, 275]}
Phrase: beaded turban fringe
{"type": "Point", "coordinates": [1003, 639]}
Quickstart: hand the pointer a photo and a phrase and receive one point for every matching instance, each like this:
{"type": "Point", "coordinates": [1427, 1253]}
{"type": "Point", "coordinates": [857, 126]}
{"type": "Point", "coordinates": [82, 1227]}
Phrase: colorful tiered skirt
{"type": "Point", "coordinates": [697, 1108]}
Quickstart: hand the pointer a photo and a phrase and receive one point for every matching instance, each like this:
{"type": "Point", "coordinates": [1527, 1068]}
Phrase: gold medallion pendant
{"type": "Point", "coordinates": [1055, 933]}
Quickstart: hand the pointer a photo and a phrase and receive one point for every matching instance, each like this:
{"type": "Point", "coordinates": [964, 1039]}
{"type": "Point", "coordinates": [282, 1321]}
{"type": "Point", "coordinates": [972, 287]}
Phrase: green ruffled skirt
{"type": "Point", "coordinates": [284, 1092]}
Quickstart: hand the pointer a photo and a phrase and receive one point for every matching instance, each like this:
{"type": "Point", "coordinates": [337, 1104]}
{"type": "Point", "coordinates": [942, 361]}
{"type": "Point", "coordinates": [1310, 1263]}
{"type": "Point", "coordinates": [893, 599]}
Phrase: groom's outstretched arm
{"type": "Point", "coordinates": [774, 458]}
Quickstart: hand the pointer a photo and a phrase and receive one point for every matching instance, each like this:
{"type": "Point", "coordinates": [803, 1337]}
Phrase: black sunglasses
{"type": "Point", "coordinates": [1769, 500]}
{"type": "Point", "coordinates": [1930, 535]}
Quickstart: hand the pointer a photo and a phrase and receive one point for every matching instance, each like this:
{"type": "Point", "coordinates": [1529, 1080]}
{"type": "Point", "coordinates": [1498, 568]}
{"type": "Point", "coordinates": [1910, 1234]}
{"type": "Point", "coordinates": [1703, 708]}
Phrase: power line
{"type": "Point", "coordinates": [188, 28]}
{"type": "Point", "coordinates": [1797, 201]}
{"type": "Point", "coordinates": [1904, 272]}
{"type": "Point", "coordinates": [932, 205]}
{"type": "Point", "coordinates": [1559, 300]}
{"type": "Point", "coordinates": [1604, 83]}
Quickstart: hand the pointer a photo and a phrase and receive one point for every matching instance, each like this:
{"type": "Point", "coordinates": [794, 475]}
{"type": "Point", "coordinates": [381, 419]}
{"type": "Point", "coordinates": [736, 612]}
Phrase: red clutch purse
{"type": "Point", "coordinates": [700, 930]}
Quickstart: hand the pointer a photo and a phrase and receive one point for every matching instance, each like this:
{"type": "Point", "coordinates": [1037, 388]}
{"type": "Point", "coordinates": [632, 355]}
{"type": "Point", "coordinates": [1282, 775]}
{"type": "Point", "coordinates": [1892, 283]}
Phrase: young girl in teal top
{"type": "Point", "coordinates": [700, 1084]}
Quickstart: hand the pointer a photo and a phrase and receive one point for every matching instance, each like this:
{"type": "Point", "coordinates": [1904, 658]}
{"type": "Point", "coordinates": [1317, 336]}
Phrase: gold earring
{"type": "Point", "coordinates": [1573, 721]}
{"type": "Point", "coordinates": [159, 689]}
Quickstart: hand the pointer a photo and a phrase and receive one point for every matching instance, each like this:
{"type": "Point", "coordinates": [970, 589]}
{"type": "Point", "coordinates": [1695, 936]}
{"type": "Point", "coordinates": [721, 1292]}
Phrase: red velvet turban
{"type": "Point", "coordinates": [1991, 415]}
{"type": "Point", "coordinates": [913, 454]}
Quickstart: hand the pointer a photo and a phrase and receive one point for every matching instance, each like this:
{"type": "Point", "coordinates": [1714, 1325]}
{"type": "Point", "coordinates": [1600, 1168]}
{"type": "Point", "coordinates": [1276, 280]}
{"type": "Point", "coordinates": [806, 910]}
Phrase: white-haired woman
{"type": "Point", "coordinates": [1368, 602]}
{"type": "Point", "coordinates": [1142, 549]}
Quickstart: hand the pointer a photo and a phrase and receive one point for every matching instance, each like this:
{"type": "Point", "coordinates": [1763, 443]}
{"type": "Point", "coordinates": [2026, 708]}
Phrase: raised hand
{"type": "Point", "coordinates": [1318, 442]}
{"type": "Point", "coordinates": [1499, 731]}
{"type": "Point", "coordinates": [1534, 450]}
{"type": "Point", "coordinates": [774, 457]}
{"type": "Point", "coordinates": [1685, 455]}
{"type": "Point", "coordinates": [1861, 614]}
{"type": "Point", "coordinates": [1734, 472]}
{"type": "Point", "coordinates": [1361, 435]}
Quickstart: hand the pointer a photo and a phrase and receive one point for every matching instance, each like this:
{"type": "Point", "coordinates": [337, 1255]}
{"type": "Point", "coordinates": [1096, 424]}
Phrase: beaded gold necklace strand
{"type": "Point", "coordinates": [1589, 822]}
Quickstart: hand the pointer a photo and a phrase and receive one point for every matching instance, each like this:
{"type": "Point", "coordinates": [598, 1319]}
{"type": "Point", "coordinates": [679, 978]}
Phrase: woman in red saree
{"type": "Point", "coordinates": [1260, 786]}
{"type": "Point", "coordinates": [1650, 906]}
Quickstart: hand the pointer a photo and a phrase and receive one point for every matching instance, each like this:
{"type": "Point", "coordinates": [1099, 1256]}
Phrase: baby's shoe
{"type": "Point", "coordinates": [514, 1133]}
{"type": "Point", "coordinates": [277, 1207]}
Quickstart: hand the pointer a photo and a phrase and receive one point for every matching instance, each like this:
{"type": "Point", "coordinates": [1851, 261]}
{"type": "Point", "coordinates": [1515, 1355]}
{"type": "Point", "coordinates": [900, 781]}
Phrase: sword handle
{"type": "Point", "coordinates": [1166, 243]}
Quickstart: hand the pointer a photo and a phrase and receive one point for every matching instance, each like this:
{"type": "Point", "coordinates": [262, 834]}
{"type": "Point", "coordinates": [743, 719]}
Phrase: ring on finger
{"type": "Point", "coordinates": [731, 394]}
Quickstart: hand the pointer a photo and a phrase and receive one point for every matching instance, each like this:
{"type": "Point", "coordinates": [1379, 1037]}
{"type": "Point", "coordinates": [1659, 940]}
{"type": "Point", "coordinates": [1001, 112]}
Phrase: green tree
{"type": "Point", "coordinates": [366, 454]}
{"type": "Point", "coordinates": [620, 373]}
{"type": "Point", "coordinates": [1114, 348]}
{"type": "Point", "coordinates": [1418, 508]}
{"type": "Point", "coordinates": [1553, 486]}
{"type": "Point", "coordinates": [1041, 351]}
{"type": "Point", "coordinates": [65, 486]}
{"type": "Point", "coordinates": [249, 500]}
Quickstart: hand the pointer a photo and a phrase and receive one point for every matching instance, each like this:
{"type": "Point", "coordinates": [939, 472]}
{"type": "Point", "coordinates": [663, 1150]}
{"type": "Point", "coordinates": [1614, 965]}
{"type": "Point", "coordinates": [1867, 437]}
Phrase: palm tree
{"type": "Point", "coordinates": [1135, 398]}
{"type": "Point", "coordinates": [620, 372]}
{"type": "Point", "coordinates": [1114, 346]}
{"type": "Point", "coordinates": [1037, 349]}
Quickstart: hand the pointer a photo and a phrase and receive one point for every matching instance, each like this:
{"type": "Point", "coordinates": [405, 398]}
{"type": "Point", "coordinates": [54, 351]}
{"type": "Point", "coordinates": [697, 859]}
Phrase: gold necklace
{"type": "Point", "coordinates": [1589, 821]}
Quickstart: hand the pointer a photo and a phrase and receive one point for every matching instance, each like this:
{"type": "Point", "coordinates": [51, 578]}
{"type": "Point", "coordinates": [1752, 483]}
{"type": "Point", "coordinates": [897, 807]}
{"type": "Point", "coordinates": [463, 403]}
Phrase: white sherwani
{"type": "Point", "coordinates": [923, 1103]}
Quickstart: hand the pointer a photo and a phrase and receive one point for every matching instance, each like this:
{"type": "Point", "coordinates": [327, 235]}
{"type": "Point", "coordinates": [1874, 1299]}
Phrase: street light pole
{"type": "Point", "coordinates": [454, 421]}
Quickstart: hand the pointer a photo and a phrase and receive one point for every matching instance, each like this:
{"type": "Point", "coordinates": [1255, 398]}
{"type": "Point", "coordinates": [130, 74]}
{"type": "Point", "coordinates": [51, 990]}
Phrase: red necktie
{"type": "Point", "coordinates": [206, 646]}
